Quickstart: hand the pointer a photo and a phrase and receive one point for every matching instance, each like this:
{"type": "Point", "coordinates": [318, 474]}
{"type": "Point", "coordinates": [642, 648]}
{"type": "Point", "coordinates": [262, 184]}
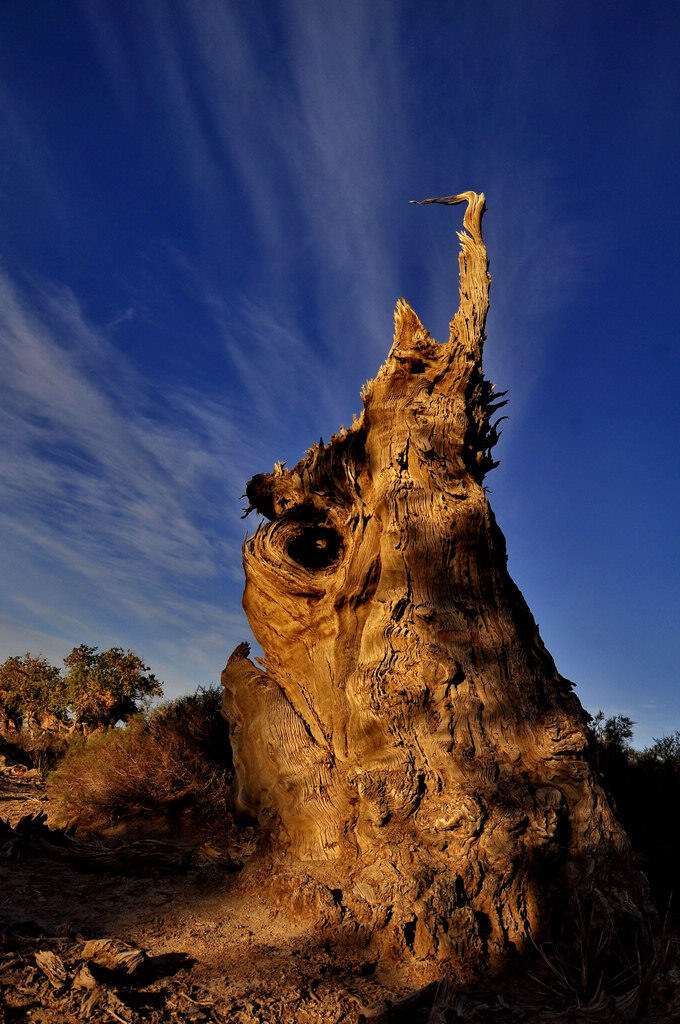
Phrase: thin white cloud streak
{"type": "Point", "coordinates": [322, 141]}
{"type": "Point", "coordinates": [82, 431]}
{"type": "Point", "coordinates": [325, 132]}
{"type": "Point", "coordinates": [267, 354]}
{"type": "Point", "coordinates": [317, 133]}
{"type": "Point", "coordinates": [109, 489]}
{"type": "Point", "coordinates": [109, 480]}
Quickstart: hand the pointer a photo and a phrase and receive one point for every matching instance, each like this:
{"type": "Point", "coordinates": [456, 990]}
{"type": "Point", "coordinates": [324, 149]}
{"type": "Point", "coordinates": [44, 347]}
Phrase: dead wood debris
{"type": "Point", "coordinates": [32, 835]}
{"type": "Point", "coordinates": [57, 979]}
{"type": "Point", "coordinates": [101, 979]}
{"type": "Point", "coordinates": [442, 1003]}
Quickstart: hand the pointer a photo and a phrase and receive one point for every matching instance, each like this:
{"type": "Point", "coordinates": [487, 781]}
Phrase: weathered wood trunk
{"type": "Point", "coordinates": [410, 741]}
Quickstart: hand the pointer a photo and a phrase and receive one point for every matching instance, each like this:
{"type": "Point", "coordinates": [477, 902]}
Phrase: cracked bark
{"type": "Point", "coordinates": [410, 742]}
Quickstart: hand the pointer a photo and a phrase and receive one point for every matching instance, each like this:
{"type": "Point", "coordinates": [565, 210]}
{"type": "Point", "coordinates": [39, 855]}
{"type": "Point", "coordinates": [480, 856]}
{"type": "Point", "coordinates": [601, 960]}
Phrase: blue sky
{"type": "Point", "coordinates": [205, 228]}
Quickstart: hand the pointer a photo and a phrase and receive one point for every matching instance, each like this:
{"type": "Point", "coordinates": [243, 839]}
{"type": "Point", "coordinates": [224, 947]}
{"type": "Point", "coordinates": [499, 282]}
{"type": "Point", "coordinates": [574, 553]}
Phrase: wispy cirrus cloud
{"type": "Point", "coordinates": [294, 134]}
{"type": "Point", "coordinates": [315, 158]}
{"type": "Point", "coordinates": [297, 158]}
{"type": "Point", "coordinates": [117, 498]}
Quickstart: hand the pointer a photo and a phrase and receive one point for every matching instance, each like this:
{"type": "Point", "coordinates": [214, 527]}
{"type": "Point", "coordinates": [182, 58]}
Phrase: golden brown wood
{"type": "Point", "coordinates": [410, 741]}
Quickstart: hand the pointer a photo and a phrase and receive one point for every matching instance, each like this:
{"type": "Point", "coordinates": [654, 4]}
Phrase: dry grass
{"type": "Point", "coordinates": [36, 748]}
{"type": "Point", "coordinates": [600, 977]}
{"type": "Point", "coordinates": [167, 767]}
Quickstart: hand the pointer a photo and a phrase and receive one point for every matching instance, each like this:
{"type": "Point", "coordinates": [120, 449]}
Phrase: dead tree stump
{"type": "Point", "coordinates": [411, 742]}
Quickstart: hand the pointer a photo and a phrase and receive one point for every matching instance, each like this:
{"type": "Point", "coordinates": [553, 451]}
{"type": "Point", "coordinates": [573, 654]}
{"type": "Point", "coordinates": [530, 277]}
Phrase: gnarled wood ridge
{"type": "Point", "coordinates": [410, 742]}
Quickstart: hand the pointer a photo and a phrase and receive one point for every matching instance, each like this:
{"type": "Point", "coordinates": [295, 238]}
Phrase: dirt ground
{"type": "Point", "coordinates": [188, 943]}
{"type": "Point", "coordinates": [210, 954]}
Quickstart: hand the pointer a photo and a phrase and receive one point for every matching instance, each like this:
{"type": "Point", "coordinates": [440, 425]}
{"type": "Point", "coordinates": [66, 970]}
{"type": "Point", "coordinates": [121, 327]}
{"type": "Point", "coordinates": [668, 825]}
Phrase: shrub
{"type": "Point", "coordinates": [35, 748]}
{"type": "Point", "coordinates": [168, 765]}
{"type": "Point", "coordinates": [646, 790]}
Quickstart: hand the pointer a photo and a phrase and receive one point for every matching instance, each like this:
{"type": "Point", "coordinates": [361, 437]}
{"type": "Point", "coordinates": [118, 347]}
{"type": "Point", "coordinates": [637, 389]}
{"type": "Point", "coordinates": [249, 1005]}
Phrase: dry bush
{"type": "Point", "coordinates": [601, 975]}
{"type": "Point", "coordinates": [645, 785]}
{"type": "Point", "coordinates": [166, 768]}
{"type": "Point", "coordinates": [34, 747]}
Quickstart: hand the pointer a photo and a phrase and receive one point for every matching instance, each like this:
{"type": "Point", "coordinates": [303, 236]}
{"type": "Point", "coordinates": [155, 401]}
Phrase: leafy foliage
{"type": "Point", "coordinates": [646, 789]}
{"type": "Point", "coordinates": [31, 688]}
{"type": "Point", "coordinates": [108, 686]}
{"type": "Point", "coordinates": [99, 689]}
{"type": "Point", "coordinates": [615, 732]}
{"type": "Point", "coordinates": [664, 753]}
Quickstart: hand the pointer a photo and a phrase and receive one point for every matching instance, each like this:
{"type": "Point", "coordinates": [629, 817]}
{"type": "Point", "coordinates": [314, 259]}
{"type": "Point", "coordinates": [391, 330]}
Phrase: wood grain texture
{"type": "Point", "coordinates": [410, 742]}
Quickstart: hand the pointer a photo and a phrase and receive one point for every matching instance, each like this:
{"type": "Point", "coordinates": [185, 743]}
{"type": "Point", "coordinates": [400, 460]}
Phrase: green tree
{"type": "Point", "coordinates": [30, 689]}
{"type": "Point", "coordinates": [615, 732]}
{"type": "Point", "coordinates": [105, 687]}
{"type": "Point", "coordinates": [664, 752]}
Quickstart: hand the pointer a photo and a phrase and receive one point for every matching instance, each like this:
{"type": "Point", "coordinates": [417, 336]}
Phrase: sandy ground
{"type": "Point", "coordinates": [228, 958]}
{"type": "Point", "coordinates": [213, 949]}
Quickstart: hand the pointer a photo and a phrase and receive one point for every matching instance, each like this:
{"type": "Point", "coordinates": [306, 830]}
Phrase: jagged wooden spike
{"type": "Point", "coordinates": [423, 765]}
